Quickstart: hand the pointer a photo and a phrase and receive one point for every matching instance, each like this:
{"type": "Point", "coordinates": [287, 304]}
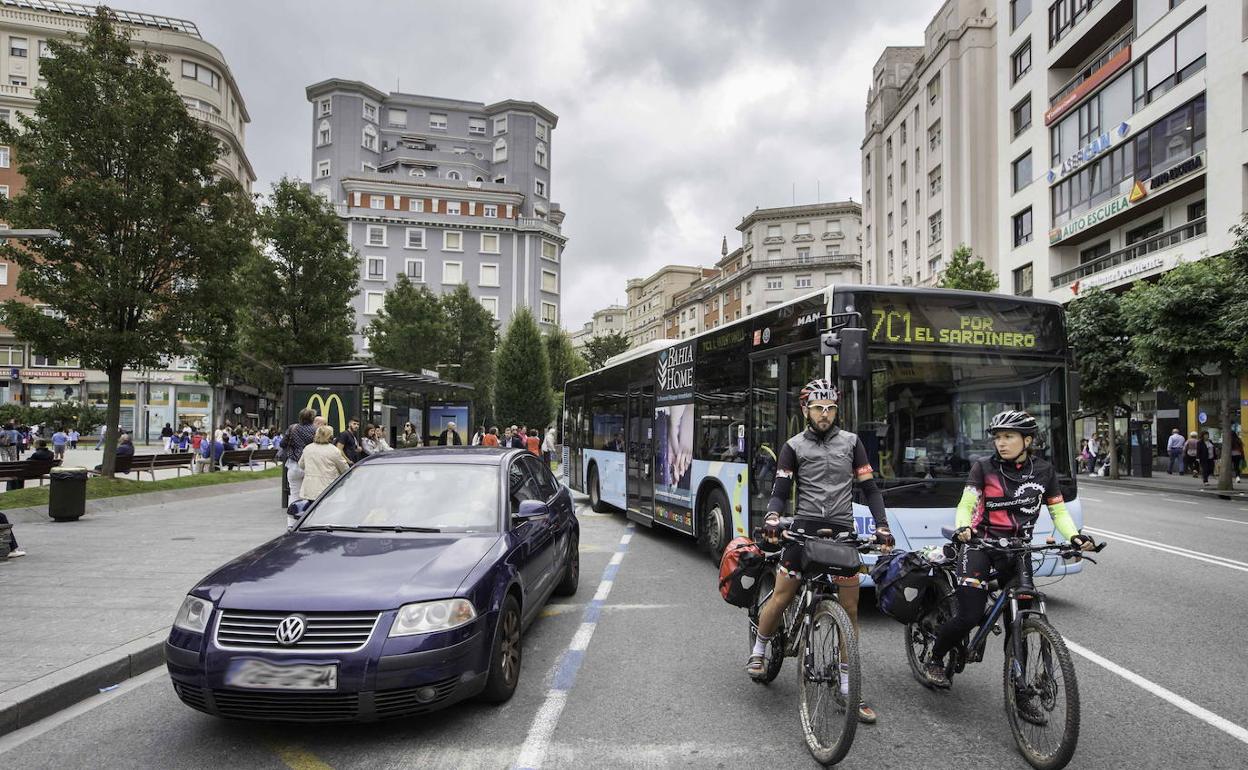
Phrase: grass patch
{"type": "Point", "coordinates": [99, 487]}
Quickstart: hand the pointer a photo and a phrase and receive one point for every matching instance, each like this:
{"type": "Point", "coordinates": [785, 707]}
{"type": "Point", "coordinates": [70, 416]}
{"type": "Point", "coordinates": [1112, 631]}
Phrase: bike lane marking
{"type": "Point", "coordinates": [563, 676]}
{"type": "Point", "coordinates": [1205, 715]}
{"type": "Point", "coordinates": [1233, 521]}
{"type": "Point", "coordinates": [1220, 561]}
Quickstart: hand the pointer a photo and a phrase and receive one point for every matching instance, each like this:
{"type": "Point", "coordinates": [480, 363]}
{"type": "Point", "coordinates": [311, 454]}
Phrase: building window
{"type": "Point", "coordinates": [326, 107]}
{"type": "Point", "coordinates": [1023, 281]}
{"type": "Point", "coordinates": [4, 193]}
{"type": "Point", "coordinates": [370, 138]}
{"type": "Point", "coordinates": [774, 282]}
{"type": "Point", "coordinates": [832, 226]}
{"type": "Point", "coordinates": [933, 137]}
{"type": "Point", "coordinates": [374, 302]}
{"type": "Point", "coordinates": [935, 228]}
{"type": "Point", "coordinates": [17, 80]}
{"type": "Point", "coordinates": [550, 313]}
{"type": "Point", "coordinates": [453, 207]}
{"type": "Point", "coordinates": [903, 133]}
{"type": "Point", "coordinates": [934, 181]}
{"type": "Point", "coordinates": [803, 254]}
{"type": "Point", "coordinates": [1173, 61]}
{"type": "Point", "coordinates": [4, 273]}
{"type": "Point", "coordinates": [17, 47]}
{"type": "Point", "coordinates": [1020, 116]}
{"type": "Point", "coordinates": [1093, 253]}
{"type": "Point", "coordinates": [550, 250]}
{"type": "Point", "coordinates": [539, 188]}
{"type": "Point", "coordinates": [540, 155]}
{"type": "Point", "coordinates": [376, 201]}
{"type": "Point", "coordinates": [905, 213]}
{"type": "Point", "coordinates": [452, 273]}
{"type": "Point", "coordinates": [488, 275]}
{"type": "Point", "coordinates": [831, 250]}
{"type": "Point", "coordinates": [500, 125]}
{"type": "Point", "coordinates": [415, 238]}
{"type": "Point", "coordinates": [1020, 62]}
{"type": "Point", "coordinates": [890, 223]}
{"type": "Point", "coordinates": [414, 269]}
{"type": "Point", "coordinates": [489, 211]}
{"type": "Point", "coordinates": [489, 243]}
{"type": "Point", "coordinates": [437, 120]}
{"type": "Point", "coordinates": [375, 235]}
{"type": "Point", "coordinates": [201, 73]}
{"type": "Point", "coordinates": [888, 186]}
{"type": "Point", "coordinates": [1022, 227]}
{"type": "Point", "coordinates": [323, 134]}
{"type": "Point", "coordinates": [452, 240]}
{"type": "Point", "coordinates": [1194, 210]}
{"type": "Point", "coordinates": [1019, 10]}
{"type": "Point", "coordinates": [933, 90]}
{"type": "Point", "coordinates": [500, 150]}
{"type": "Point", "coordinates": [376, 269]}
{"type": "Point", "coordinates": [802, 282]}
{"type": "Point", "coordinates": [370, 111]}
{"type": "Point", "coordinates": [1021, 171]}
{"type": "Point", "coordinates": [543, 130]}
{"type": "Point", "coordinates": [1143, 232]}
{"type": "Point", "coordinates": [12, 355]}
{"type": "Point", "coordinates": [550, 281]}
{"type": "Point", "coordinates": [416, 205]}
{"type": "Point", "coordinates": [888, 149]}
{"type": "Point", "coordinates": [476, 126]}
{"type": "Point", "coordinates": [322, 166]}
{"type": "Point", "coordinates": [490, 304]}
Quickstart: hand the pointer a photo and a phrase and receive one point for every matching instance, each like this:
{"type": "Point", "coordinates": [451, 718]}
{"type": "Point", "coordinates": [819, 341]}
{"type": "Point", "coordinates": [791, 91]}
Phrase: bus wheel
{"type": "Point", "coordinates": [716, 523]}
{"type": "Point", "coordinates": [595, 494]}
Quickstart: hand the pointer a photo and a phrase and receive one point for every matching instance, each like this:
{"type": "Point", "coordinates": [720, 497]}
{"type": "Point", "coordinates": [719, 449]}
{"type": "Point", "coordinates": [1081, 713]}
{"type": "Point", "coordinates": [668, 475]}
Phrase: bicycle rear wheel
{"type": "Point", "coordinates": [1042, 696]}
{"type": "Point", "coordinates": [829, 717]}
{"type": "Point", "coordinates": [775, 650]}
{"type": "Point", "coordinates": [920, 636]}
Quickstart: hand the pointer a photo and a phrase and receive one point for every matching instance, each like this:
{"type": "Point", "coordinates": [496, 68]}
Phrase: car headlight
{"type": "Point", "coordinates": [426, 617]}
{"type": "Point", "coordinates": [193, 615]}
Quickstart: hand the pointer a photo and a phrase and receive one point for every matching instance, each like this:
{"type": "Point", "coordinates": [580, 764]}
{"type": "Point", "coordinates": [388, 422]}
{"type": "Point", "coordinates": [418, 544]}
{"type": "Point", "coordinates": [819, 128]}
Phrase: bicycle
{"type": "Point", "coordinates": [816, 628]}
{"type": "Point", "coordinates": [1038, 668]}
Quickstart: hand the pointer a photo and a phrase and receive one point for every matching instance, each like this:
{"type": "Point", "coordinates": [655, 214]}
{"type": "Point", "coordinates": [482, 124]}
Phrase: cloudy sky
{"type": "Point", "coordinates": [676, 117]}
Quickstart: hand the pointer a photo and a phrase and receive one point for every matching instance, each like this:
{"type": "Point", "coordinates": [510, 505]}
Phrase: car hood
{"type": "Point", "coordinates": [347, 571]}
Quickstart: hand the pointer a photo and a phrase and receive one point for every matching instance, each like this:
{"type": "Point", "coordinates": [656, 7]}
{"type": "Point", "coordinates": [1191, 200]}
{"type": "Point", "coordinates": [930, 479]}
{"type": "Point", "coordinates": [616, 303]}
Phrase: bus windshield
{"type": "Point", "coordinates": [925, 414]}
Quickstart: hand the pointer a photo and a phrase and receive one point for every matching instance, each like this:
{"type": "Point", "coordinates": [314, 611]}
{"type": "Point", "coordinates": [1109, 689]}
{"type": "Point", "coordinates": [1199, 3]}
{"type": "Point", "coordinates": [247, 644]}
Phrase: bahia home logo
{"type": "Point", "coordinates": [675, 369]}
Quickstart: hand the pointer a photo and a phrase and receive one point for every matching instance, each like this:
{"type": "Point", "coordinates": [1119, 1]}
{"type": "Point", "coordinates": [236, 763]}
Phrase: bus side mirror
{"type": "Point", "coordinates": [851, 347]}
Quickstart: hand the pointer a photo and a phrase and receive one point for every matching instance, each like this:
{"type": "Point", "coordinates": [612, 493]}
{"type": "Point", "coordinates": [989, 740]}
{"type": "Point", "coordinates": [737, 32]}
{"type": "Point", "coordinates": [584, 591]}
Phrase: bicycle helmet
{"type": "Point", "coordinates": [819, 390]}
{"type": "Point", "coordinates": [1014, 420]}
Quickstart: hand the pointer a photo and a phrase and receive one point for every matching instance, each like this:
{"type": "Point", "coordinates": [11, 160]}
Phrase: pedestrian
{"type": "Point", "coordinates": [548, 446]}
{"type": "Point", "coordinates": [197, 438]}
{"type": "Point", "coordinates": [1085, 457]}
{"type": "Point", "coordinates": [8, 442]}
{"type": "Point", "coordinates": [491, 437]}
{"type": "Point", "coordinates": [450, 436]}
{"type": "Point", "coordinates": [166, 436]}
{"type": "Point", "coordinates": [293, 441]}
{"type": "Point", "coordinates": [321, 463]}
{"type": "Point", "coordinates": [533, 443]}
{"type": "Point", "coordinates": [1191, 452]}
{"type": "Point", "coordinates": [479, 436]}
{"type": "Point", "coordinates": [1237, 454]}
{"type": "Point", "coordinates": [125, 448]}
{"type": "Point", "coordinates": [1207, 453]}
{"type": "Point", "coordinates": [74, 435]}
{"type": "Point", "coordinates": [374, 442]}
{"type": "Point", "coordinates": [14, 551]}
{"type": "Point", "coordinates": [1174, 446]}
{"type": "Point", "coordinates": [410, 438]}
{"type": "Point", "coordinates": [42, 452]}
{"type": "Point", "coordinates": [60, 440]}
{"type": "Point", "coordinates": [349, 441]}
{"type": "Point", "coordinates": [100, 443]}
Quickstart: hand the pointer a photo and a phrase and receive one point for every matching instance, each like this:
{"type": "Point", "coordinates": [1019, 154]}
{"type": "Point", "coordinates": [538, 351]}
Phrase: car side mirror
{"type": "Point", "coordinates": [530, 509]}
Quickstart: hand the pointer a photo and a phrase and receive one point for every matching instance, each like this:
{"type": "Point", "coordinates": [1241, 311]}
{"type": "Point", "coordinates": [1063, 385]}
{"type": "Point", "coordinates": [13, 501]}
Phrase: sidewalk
{"type": "Point", "coordinates": [1163, 482]}
{"type": "Point", "coordinates": [91, 602]}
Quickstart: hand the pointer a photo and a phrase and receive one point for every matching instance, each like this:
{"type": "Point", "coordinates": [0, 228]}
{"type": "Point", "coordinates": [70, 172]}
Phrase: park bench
{"type": "Point", "coordinates": [149, 464]}
{"type": "Point", "coordinates": [246, 457]}
{"type": "Point", "coordinates": [24, 470]}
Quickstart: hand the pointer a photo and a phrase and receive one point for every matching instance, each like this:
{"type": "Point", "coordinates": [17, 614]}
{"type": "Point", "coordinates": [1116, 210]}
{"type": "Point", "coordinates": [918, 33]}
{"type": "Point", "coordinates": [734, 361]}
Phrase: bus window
{"type": "Point", "coordinates": [721, 398]}
{"type": "Point", "coordinates": [803, 367]}
{"type": "Point", "coordinates": [764, 393]}
{"type": "Point", "coordinates": [608, 421]}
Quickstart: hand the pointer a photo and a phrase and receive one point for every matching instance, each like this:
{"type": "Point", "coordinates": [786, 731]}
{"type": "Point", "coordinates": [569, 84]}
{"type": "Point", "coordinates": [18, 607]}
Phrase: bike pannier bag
{"type": "Point", "coordinates": [831, 558]}
{"type": "Point", "coordinates": [739, 570]}
{"type": "Point", "coordinates": [903, 584]}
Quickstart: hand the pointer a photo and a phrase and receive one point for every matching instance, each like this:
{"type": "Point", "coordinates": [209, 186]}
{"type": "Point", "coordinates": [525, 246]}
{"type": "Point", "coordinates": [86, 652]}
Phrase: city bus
{"type": "Point", "coordinates": [685, 433]}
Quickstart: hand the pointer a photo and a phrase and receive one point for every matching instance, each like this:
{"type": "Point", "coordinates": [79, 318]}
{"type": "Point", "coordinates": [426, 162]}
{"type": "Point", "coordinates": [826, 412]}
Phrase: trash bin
{"type": "Point", "coordinates": [67, 494]}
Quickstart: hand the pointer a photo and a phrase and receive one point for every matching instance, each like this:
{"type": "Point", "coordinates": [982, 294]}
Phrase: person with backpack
{"type": "Point", "coordinates": [825, 462]}
{"type": "Point", "coordinates": [8, 442]}
{"type": "Point", "coordinates": [1003, 497]}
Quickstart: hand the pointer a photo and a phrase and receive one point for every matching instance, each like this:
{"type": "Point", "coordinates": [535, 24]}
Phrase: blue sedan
{"type": "Point", "coordinates": [404, 588]}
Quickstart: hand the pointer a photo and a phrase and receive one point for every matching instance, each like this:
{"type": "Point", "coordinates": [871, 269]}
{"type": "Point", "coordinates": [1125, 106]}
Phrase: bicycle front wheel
{"type": "Point", "coordinates": [1041, 695]}
{"type": "Point", "coordinates": [829, 712]}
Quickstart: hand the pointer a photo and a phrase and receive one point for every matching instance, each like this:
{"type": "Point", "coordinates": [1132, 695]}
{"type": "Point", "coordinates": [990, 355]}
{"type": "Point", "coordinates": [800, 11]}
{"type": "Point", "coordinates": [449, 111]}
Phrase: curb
{"type": "Point", "coordinates": [1202, 492]}
{"type": "Point", "coordinates": [28, 703]}
{"type": "Point", "coordinates": [39, 513]}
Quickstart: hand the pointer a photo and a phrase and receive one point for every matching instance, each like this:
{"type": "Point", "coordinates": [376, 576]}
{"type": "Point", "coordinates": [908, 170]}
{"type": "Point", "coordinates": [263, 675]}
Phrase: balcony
{"type": "Point", "coordinates": [1160, 242]}
{"type": "Point", "coordinates": [1078, 28]}
{"type": "Point", "coordinates": [533, 223]}
{"type": "Point", "coordinates": [1104, 63]}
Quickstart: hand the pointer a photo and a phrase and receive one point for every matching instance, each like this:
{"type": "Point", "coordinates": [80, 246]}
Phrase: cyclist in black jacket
{"type": "Point", "coordinates": [826, 461]}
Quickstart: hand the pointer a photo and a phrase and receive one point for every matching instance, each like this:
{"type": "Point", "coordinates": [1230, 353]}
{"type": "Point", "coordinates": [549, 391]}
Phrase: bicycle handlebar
{"type": "Point", "coordinates": [1019, 545]}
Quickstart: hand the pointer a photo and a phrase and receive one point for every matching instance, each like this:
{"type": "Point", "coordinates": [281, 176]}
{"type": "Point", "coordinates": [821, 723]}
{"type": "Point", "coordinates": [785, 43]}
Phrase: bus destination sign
{"type": "Point", "coordinates": [984, 325]}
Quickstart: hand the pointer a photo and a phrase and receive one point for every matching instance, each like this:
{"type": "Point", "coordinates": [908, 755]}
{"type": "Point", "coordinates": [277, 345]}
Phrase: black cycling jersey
{"type": "Point", "coordinates": [1003, 498]}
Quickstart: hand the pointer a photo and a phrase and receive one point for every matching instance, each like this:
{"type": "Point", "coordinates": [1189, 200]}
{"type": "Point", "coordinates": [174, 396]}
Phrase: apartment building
{"type": "Point", "coordinates": [929, 156]}
{"type": "Point", "coordinates": [785, 252]}
{"type": "Point", "coordinates": [201, 75]}
{"type": "Point", "coordinates": [649, 299]}
{"type": "Point", "coordinates": [608, 320]}
{"type": "Point", "coordinates": [444, 191]}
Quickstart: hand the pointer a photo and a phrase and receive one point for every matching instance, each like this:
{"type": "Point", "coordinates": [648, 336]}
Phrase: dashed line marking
{"type": "Point", "coordinates": [1114, 492]}
{"type": "Point", "coordinates": [1177, 500]}
{"type": "Point", "coordinates": [1233, 521]}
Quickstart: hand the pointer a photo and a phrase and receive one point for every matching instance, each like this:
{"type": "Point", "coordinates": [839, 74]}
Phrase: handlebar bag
{"type": "Point", "coordinates": [903, 585]}
{"type": "Point", "coordinates": [831, 558]}
{"type": "Point", "coordinates": [739, 570]}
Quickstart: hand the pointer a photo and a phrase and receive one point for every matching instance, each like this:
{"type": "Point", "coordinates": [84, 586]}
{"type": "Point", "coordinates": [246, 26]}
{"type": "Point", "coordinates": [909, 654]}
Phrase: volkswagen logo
{"type": "Point", "coordinates": [291, 629]}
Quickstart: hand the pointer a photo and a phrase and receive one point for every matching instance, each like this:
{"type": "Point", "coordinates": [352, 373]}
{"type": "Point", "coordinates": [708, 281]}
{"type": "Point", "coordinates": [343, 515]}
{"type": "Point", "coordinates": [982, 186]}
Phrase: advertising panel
{"type": "Point", "coordinates": [336, 405]}
{"type": "Point", "coordinates": [673, 436]}
{"type": "Point", "coordinates": [441, 417]}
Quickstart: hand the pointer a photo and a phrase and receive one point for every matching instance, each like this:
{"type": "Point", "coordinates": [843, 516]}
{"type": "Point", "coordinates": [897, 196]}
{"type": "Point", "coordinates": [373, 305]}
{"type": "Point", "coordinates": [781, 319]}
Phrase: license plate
{"type": "Point", "coordinates": [259, 675]}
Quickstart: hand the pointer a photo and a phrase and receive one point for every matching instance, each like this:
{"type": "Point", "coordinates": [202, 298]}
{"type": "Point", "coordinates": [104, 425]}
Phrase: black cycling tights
{"type": "Point", "coordinates": [972, 565]}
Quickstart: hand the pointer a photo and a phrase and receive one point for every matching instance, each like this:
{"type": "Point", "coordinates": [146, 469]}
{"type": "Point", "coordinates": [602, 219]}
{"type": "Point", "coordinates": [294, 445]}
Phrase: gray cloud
{"type": "Point", "coordinates": [676, 118]}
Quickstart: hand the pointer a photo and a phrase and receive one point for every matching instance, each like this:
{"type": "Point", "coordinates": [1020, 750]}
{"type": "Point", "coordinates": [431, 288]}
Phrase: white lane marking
{"type": "Point", "coordinates": [1205, 715]}
{"type": "Point", "coordinates": [581, 639]}
{"type": "Point", "coordinates": [616, 558]}
{"type": "Point", "coordinates": [1220, 561]}
{"type": "Point", "coordinates": [1177, 500]}
{"type": "Point", "coordinates": [1090, 497]}
{"type": "Point", "coordinates": [1233, 521]}
{"type": "Point", "coordinates": [1112, 492]}
{"type": "Point", "coordinates": [540, 732]}
{"type": "Point", "coordinates": [625, 540]}
{"type": "Point", "coordinates": [604, 588]}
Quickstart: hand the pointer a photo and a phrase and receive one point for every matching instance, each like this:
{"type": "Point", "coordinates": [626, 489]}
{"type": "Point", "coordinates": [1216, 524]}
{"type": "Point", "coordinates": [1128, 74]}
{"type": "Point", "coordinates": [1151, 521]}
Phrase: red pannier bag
{"type": "Point", "coordinates": [739, 570]}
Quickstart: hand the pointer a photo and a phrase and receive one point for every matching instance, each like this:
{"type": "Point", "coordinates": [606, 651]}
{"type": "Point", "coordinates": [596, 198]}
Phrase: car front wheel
{"type": "Point", "coordinates": [505, 658]}
{"type": "Point", "coordinates": [572, 572]}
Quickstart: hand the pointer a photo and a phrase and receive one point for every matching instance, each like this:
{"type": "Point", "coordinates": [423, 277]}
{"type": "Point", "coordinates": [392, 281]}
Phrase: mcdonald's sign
{"type": "Point", "coordinates": [324, 405]}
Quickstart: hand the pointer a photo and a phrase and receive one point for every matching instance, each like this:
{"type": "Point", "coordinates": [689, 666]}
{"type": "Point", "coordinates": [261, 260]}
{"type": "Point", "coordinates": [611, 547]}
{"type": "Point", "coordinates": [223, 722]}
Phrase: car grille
{"type": "Point", "coordinates": [287, 706]}
{"type": "Point", "coordinates": [191, 696]}
{"type": "Point", "coordinates": [403, 702]}
{"type": "Point", "coordinates": [340, 631]}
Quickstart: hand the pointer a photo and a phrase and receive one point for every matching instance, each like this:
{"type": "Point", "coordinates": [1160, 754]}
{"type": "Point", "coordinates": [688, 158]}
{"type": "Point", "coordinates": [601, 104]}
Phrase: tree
{"type": "Point", "coordinates": [602, 347]}
{"type": "Point", "coordinates": [300, 289]}
{"type": "Point", "coordinates": [471, 338]}
{"type": "Point", "coordinates": [565, 362]}
{"type": "Point", "coordinates": [968, 272]}
{"type": "Point", "coordinates": [522, 392]}
{"type": "Point", "coordinates": [112, 162]}
{"type": "Point", "coordinates": [410, 331]}
{"type": "Point", "coordinates": [1097, 331]}
{"type": "Point", "coordinates": [1189, 323]}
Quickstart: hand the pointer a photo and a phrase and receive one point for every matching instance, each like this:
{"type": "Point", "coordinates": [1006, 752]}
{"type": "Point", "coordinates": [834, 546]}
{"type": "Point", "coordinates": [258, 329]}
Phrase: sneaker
{"type": "Point", "coordinates": [16, 552]}
{"type": "Point", "coordinates": [1028, 712]}
{"type": "Point", "coordinates": [936, 676]}
{"type": "Point", "coordinates": [756, 666]}
{"type": "Point", "coordinates": [866, 714]}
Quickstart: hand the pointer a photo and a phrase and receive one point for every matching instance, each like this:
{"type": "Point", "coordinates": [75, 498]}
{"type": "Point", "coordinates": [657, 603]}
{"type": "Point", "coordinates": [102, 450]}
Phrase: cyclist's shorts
{"type": "Point", "coordinates": [791, 555]}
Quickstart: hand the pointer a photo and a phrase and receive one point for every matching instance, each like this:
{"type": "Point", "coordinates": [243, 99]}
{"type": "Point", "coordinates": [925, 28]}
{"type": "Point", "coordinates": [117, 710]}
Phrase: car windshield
{"type": "Point", "coordinates": [927, 413]}
{"type": "Point", "coordinates": [443, 497]}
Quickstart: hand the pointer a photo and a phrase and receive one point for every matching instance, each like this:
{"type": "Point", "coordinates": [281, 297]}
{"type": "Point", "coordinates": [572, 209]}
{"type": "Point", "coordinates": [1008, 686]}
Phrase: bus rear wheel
{"type": "Point", "coordinates": [595, 492]}
{"type": "Point", "coordinates": [716, 523]}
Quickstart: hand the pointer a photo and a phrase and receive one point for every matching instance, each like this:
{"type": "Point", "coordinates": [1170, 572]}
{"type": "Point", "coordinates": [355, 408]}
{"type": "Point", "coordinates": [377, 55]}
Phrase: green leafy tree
{"type": "Point", "coordinates": [112, 162]}
{"type": "Point", "coordinates": [522, 391]}
{"type": "Point", "coordinates": [603, 347]}
{"type": "Point", "coordinates": [66, 414]}
{"type": "Point", "coordinates": [968, 272]}
{"type": "Point", "coordinates": [410, 331]}
{"type": "Point", "coordinates": [1188, 323]}
{"type": "Point", "coordinates": [565, 362]}
{"type": "Point", "coordinates": [300, 289]}
{"type": "Point", "coordinates": [1098, 332]}
{"type": "Point", "coordinates": [468, 353]}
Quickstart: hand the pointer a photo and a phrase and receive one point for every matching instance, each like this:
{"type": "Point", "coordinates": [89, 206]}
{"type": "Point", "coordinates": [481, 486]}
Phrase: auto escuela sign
{"type": "Point", "coordinates": [674, 373]}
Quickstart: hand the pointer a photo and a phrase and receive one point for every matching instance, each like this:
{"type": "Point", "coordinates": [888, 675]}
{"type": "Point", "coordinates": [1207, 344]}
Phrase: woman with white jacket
{"type": "Point", "coordinates": [322, 462]}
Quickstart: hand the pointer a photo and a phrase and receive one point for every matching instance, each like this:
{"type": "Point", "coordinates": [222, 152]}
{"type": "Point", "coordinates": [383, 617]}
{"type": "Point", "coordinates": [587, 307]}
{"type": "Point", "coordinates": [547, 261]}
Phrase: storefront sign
{"type": "Point", "coordinates": [1087, 152]}
{"type": "Point", "coordinates": [1120, 273]}
{"type": "Point", "coordinates": [1178, 171]}
{"type": "Point", "coordinates": [1106, 210]}
{"type": "Point", "coordinates": [59, 374]}
{"type": "Point", "coordinates": [1115, 63]}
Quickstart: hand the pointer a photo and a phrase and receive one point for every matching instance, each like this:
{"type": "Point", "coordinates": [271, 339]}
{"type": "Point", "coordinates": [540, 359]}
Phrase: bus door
{"type": "Point", "coordinates": [640, 462]}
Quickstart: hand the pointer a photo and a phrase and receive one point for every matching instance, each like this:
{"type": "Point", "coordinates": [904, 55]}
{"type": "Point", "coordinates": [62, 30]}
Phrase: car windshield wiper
{"type": "Point", "coordinates": [331, 528]}
{"type": "Point", "coordinates": [396, 528]}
